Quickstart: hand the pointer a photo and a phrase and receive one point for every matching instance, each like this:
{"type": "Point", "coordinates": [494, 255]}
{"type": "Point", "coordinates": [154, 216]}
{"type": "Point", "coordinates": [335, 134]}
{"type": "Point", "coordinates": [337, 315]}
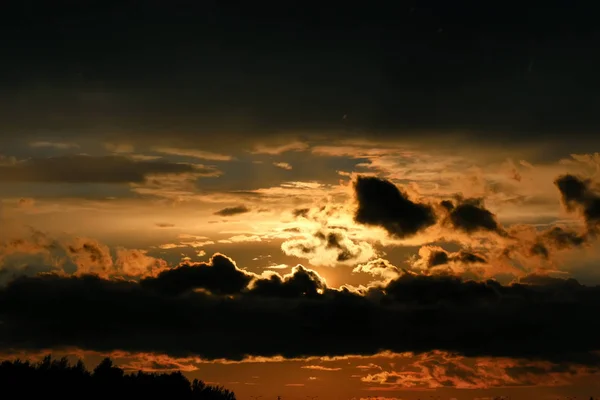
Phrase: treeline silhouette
{"type": "Point", "coordinates": [50, 377]}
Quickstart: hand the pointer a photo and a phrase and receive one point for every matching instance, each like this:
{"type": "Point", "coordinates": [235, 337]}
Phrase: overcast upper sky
{"type": "Point", "coordinates": [397, 200]}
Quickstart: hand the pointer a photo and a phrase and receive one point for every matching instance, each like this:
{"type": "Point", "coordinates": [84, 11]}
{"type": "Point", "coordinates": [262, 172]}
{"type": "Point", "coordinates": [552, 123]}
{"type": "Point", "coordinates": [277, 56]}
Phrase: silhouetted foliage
{"type": "Point", "coordinates": [58, 377]}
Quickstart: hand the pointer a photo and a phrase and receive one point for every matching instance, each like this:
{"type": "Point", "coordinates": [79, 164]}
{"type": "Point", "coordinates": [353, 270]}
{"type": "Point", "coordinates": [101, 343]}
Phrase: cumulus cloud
{"type": "Point", "coordinates": [134, 262]}
{"type": "Point", "coordinates": [470, 215]}
{"type": "Point", "coordinates": [381, 203]}
{"type": "Point", "coordinates": [220, 276]}
{"type": "Point", "coordinates": [328, 247]}
{"type": "Point", "coordinates": [83, 168]}
{"type": "Point", "coordinates": [94, 258]}
{"type": "Point", "coordinates": [90, 257]}
{"type": "Point", "coordinates": [201, 310]}
{"type": "Point", "coordinates": [300, 282]}
{"type": "Point", "coordinates": [230, 211]}
{"type": "Point", "coordinates": [379, 268]}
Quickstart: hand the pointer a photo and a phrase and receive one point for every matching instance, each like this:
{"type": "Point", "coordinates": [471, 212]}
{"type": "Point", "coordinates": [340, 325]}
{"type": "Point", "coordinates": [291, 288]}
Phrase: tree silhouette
{"type": "Point", "coordinates": [58, 377]}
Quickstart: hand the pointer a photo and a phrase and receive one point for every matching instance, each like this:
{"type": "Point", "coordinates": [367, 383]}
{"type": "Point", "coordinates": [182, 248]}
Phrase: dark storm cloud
{"type": "Point", "coordinates": [297, 315]}
{"type": "Point", "coordinates": [229, 211]}
{"type": "Point", "coordinates": [288, 72]}
{"type": "Point", "coordinates": [579, 195]}
{"type": "Point", "coordinates": [470, 215]}
{"type": "Point", "coordinates": [88, 169]}
{"type": "Point", "coordinates": [381, 203]}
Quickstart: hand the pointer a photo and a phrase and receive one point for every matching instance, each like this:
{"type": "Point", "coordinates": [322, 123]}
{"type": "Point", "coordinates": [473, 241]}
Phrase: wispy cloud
{"type": "Point", "coordinates": [320, 368]}
{"type": "Point", "coordinates": [279, 149]}
{"type": "Point", "coordinates": [203, 155]}
{"type": "Point", "coordinates": [56, 145]}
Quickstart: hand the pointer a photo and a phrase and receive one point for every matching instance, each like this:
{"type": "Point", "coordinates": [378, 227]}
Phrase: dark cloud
{"type": "Point", "coordinates": [88, 169]}
{"type": "Point", "coordinates": [468, 258]}
{"type": "Point", "coordinates": [229, 211]}
{"type": "Point", "coordinates": [220, 276]}
{"type": "Point", "coordinates": [441, 257]}
{"type": "Point", "coordinates": [381, 203]}
{"type": "Point", "coordinates": [332, 69]}
{"type": "Point", "coordinates": [335, 240]}
{"type": "Point", "coordinates": [470, 215]}
{"type": "Point", "coordinates": [548, 281]}
{"type": "Point", "coordinates": [301, 212]}
{"type": "Point", "coordinates": [557, 238]}
{"type": "Point", "coordinates": [579, 195]}
{"type": "Point", "coordinates": [542, 319]}
{"type": "Point", "coordinates": [301, 282]}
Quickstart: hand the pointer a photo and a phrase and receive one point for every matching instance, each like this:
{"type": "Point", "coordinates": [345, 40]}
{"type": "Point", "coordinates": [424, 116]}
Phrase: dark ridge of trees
{"type": "Point", "coordinates": [50, 377]}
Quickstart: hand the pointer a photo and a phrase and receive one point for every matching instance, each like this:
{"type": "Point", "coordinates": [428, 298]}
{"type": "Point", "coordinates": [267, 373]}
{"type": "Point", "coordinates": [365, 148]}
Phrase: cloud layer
{"type": "Point", "coordinates": [88, 169]}
{"type": "Point", "coordinates": [216, 310]}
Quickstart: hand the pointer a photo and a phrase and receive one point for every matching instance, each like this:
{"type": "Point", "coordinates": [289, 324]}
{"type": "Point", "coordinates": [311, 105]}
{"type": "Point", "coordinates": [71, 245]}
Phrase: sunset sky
{"type": "Point", "coordinates": [345, 201]}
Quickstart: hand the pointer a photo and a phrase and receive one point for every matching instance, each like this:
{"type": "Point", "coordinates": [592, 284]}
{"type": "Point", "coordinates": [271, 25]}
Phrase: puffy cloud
{"type": "Point", "coordinates": [243, 238]}
{"type": "Point", "coordinates": [300, 282]}
{"type": "Point", "coordinates": [134, 262]}
{"type": "Point", "coordinates": [220, 276]}
{"type": "Point", "coordinates": [381, 203]}
{"type": "Point", "coordinates": [328, 247]}
{"type": "Point", "coordinates": [91, 257]}
{"type": "Point", "coordinates": [379, 268]}
{"type": "Point", "coordinates": [470, 215]}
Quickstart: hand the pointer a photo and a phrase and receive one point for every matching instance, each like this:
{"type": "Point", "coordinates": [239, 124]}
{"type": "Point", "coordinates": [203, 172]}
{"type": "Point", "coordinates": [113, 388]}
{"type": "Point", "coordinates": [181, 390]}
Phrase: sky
{"type": "Point", "coordinates": [350, 201]}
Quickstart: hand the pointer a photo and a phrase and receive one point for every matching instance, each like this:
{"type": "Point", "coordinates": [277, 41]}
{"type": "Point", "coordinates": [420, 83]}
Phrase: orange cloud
{"type": "Point", "coordinates": [320, 368]}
